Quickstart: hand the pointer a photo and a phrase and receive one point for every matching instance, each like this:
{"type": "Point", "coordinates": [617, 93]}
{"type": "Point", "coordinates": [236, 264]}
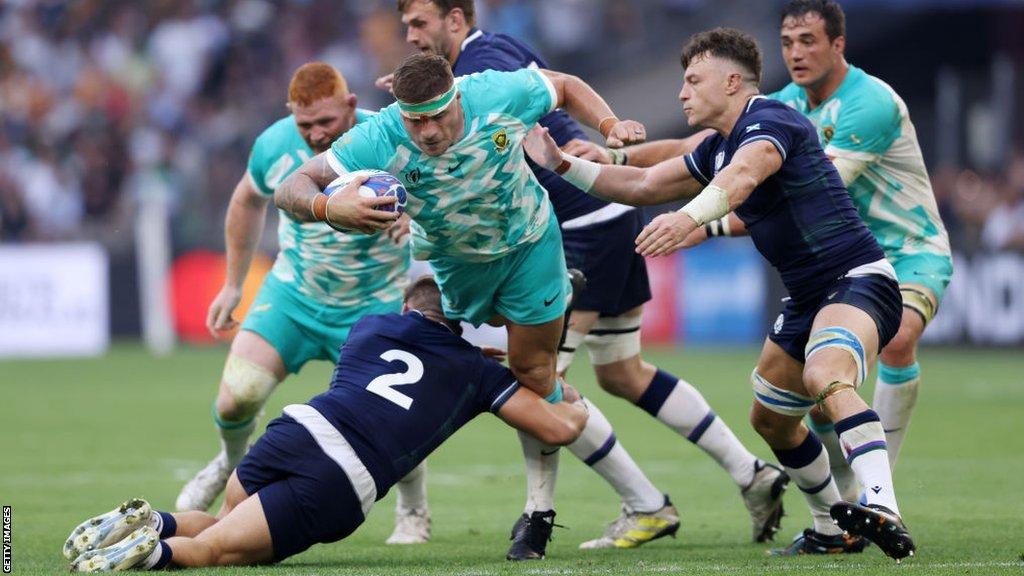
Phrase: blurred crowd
{"type": "Point", "coordinates": [107, 105]}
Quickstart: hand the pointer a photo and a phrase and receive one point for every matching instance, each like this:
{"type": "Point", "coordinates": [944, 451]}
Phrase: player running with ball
{"type": "Point", "coordinates": [765, 162]}
{"type": "Point", "coordinates": [598, 239]}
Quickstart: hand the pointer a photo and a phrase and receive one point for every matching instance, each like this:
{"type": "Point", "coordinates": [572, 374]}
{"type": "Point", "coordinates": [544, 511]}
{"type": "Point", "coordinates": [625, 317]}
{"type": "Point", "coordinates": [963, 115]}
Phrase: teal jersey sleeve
{"type": "Point", "coordinates": [867, 122]}
{"type": "Point", "coordinates": [526, 94]}
{"type": "Point", "coordinates": [367, 145]}
{"type": "Point", "coordinates": [277, 152]}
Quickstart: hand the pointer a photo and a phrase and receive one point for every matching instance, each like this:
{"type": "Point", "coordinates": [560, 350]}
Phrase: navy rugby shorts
{"type": "Point", "coordinates": [306, 496]}
{"type": "Point", "coordinates": [605, 252]}
{"type": "Point", "coordinates": [875, 294]}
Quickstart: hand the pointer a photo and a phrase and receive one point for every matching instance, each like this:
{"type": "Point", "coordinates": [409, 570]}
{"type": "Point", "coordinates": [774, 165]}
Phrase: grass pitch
{"type": "Point", "coordinates": [78, 437]}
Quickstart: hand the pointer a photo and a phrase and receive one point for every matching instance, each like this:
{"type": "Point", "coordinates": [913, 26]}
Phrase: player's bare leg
{"type": "Point", "coordinates": [532, 356]}
{"type": "Point", "coordinates": [799, 450]}
{"type": "Point", "coordinates": [894, 399]}
{"type": "Point", "coordinates": [252, 371]}
{"type": "Point", "coordinates": [241, 537]}
{"type": "Point", "coordinates": [129, 536]}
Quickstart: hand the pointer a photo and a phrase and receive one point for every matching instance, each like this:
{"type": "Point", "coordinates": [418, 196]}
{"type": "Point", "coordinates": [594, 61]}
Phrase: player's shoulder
{"type": "Point", "coordinates": [486, 51]}
{"type": "Point", "coordinates": [866, 99]}
{"type": "Point", "coordinates": [762, 109]}
{"type": "Point", "coordinates": [376, 133]}
{"type": "Point", "coordinates": [283, 133]}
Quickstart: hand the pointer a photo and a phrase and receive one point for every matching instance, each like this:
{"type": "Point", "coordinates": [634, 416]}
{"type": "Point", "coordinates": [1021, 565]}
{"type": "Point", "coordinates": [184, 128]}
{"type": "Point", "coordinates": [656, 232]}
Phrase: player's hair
{"type": "Point", "coordinates": [424, 295]}
{"type": "Point", "coordinates": [829, 10]}
{"type": "Point", "coordinates": [421, 77]}
{"type": "Point", "coordinates": [445, 6]}
{"type": "Point", "coordinates": [727, 43]}
{"type": "Point", "coordinates": [315, 81]}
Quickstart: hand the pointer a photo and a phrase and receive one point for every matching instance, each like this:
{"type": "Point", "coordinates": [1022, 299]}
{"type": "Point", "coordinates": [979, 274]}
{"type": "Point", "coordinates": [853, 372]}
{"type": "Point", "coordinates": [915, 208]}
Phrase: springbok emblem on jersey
{"type": "Point", "coordinates": [500, 140]}
{"type": "Point", "coordinates": [828, 132]}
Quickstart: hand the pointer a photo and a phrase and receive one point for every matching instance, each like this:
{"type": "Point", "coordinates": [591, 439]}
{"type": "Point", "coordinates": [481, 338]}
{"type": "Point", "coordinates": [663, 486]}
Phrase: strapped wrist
{"type": "Point", "coordinates": [578, 172]}
{"type": "Point", "coordinates": [711, 204]}
{"type": "Point", "coordinates": [619, 157]}
{"type": "Point", "coordinates": [318, 207]}
{"type": "Point", "coordinates": [605, 125]}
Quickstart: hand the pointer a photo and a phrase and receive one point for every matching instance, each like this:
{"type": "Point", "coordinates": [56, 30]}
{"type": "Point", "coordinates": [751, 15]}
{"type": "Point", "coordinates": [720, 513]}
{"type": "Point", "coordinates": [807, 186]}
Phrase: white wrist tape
{"type": "Point", "coordinates": [709, 205]}
{"type": "Point", "coordinates": [581, 173]}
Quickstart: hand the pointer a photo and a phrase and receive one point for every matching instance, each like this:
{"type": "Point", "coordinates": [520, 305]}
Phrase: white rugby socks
{"type": "Point", "coordinates": [807, 465]}
{"type": "Point", "coordinates": [541, 473]}
{"type": "Point", "coordinates": [863, 443]}
{"type": "Point", "coordinates": [598, 448]}
{"type": "Point", "coordinates": [412, 490]}
{"type": "Point", "coordinates": [895, 397]}
{"type": "Point", "coordinates": [683, 409]}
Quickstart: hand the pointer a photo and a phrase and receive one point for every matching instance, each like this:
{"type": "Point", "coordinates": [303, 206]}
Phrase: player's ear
{"type": "Point", "coordinates": [350, 100]}
{"type": "Point", "coordinates": [839, 45]}
{"type": "Point", "coordinates": [456, 19]}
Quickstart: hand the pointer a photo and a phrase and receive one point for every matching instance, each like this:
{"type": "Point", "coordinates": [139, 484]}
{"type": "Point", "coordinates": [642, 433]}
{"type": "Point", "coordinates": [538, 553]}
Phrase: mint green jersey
{"type": "Point", "coordinates": [329, 267]}
{"type": "Point", "coordinates": [479, 200]}
{"type": "Point", "coordinates": [866, 120]}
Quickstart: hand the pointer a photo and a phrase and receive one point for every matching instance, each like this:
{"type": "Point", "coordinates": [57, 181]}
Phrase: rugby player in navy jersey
{"type": "Point", "coordinates": [403, 385]}
{"type": "Point", "coordinates": [764, 161]}
{"type": "Point", "coordinates": [597, 236]}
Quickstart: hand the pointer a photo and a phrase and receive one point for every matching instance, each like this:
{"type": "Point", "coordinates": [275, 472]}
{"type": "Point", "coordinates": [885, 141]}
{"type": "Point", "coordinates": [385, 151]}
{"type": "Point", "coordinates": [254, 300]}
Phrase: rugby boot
{"type": "Point", "coordinates": [126, 554]}
{"type": "Point", "coordinates": [811, 542]}
{"type": "Point", "coordinates": [763, 499]}
{"type": "Point", "coordinates": [200, 492]}
{"type": "Point", "coordinates": [412, 526]}
{"type": "Point", "coordinates": [632, 529]}
{"type": "Point", "coordinates": [876, 523]}
{"type": "Point", "coordinates": [106, 529]}
{"type": "Point", "coordinates": [530, 536]}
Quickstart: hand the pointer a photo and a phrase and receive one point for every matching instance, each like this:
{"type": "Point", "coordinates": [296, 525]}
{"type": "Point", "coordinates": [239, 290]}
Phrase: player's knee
{"type": "Point", "coordinates": [535, 375]}
{"type": "Point", "coordinates": [901, 350]}
{"type": "Point", "coordinates": [818, 374]}
{"type": "Point", "coordinates": [767, 424]}
{"type": "Point", "coordinates": [245, 386]}
{"type": "Point", "coordinates": [627, 379]}
{"type": "Point", "coordinates": [777, 411]}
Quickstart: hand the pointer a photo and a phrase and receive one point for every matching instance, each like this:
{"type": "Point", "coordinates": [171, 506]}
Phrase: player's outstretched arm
{"type": "Point", "coordinates": [640, 155]}
{"type": "Point", "coordinates": [664, 182]}
{"type": "Point", "coordinates": [588, 107]}
{"type": "Point", "coordinates": [243, 227]}
{"type": "Point", "coordinates": [558, 424]}
{"type": "Point", "coordinates": [301, 196]}
{"type": "Point", "coordinates": [750, 166]}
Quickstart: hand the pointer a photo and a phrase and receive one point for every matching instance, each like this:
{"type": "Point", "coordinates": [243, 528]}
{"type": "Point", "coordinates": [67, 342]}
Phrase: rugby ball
{"type": "Point", "coordinates": [379, 183]}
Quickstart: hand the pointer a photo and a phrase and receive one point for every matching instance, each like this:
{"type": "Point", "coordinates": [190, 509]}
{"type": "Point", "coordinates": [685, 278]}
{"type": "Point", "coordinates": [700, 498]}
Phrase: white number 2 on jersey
{"type": "Point", "coordinates": [382, 385]}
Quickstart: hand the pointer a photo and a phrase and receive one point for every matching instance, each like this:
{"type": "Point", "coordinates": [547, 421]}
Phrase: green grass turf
{"type": "Point", "coordinates": [80, 436]}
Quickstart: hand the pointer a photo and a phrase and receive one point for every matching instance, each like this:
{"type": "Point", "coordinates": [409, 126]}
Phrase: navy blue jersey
{"type": "Point", "coordinates": [403, 385]}
{"type": "Point", "coordinates": [801, 218]}
{"type": "Point", "coordinates": [485, 51]}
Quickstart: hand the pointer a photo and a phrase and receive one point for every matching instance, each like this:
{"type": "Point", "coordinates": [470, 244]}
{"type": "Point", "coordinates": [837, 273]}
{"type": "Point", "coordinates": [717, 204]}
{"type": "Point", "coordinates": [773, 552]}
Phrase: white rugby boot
{"type": "Point", "coordinates": [763, 499]}
{"type": "Point", "coordinates": [126, 554]}
{"type": "Point", "coordinates": [105, 529]}
{"type": "Point", "coordinates": [200, 492]}
{"type": "Point", "coordinates": [412, 526]}
{"type": "Point", "coordinates": [632, 529]}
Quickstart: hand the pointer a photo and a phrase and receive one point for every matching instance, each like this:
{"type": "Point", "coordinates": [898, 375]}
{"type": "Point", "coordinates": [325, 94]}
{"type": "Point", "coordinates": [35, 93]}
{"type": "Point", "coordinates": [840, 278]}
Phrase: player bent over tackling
{"type": "Point", "coordinates": [764, 162]}
{"type": "Point", "coordinates": [404, 384]}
